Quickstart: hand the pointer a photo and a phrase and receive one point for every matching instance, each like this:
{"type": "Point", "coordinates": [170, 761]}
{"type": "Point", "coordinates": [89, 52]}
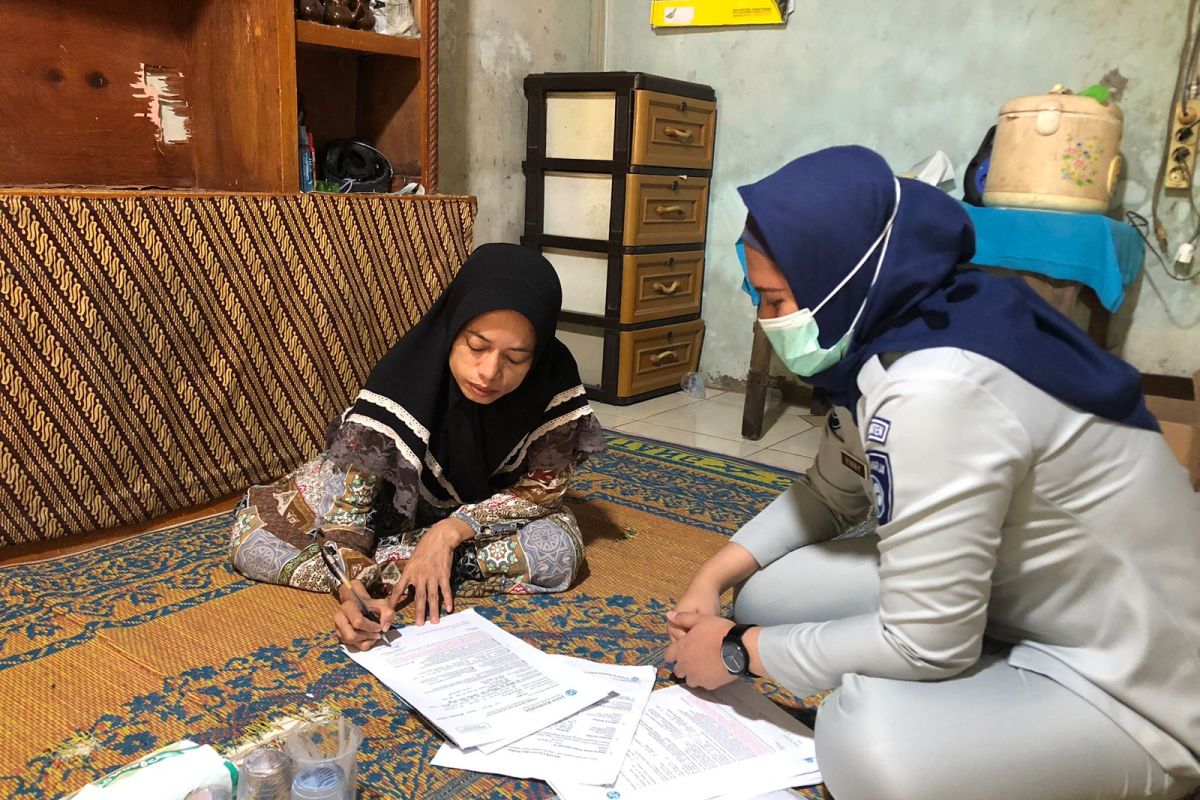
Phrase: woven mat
{"type": "Point", "coordinates": [108, 654]}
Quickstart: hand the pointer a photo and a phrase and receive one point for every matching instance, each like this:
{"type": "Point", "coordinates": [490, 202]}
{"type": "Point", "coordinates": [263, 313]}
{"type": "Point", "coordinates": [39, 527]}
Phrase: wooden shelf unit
{"type": "Point", "coordinates": [202, 94]}
{"type": "Point", "coordinates": [314, 33]}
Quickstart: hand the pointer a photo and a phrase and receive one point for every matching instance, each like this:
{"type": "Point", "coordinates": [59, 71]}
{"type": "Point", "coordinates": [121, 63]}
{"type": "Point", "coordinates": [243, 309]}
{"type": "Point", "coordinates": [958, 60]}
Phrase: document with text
{"type": "Point", "coordinates": [731, 743]}
{"type": "Point", "coordinates": [588, 747]}
{"type": "Point", "coordinates": [476, 683]}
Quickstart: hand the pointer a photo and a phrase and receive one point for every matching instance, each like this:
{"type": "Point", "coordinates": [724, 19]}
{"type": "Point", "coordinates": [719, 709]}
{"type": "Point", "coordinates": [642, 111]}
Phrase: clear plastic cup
{"type": "Point", "coordinates": [266, 774]}
{"type": "Point", "coordinates": [320, 745]}
{"type": "Point", "coordinates": [324, 781]}
{"type": "Point", "coordinates": [692, 384]}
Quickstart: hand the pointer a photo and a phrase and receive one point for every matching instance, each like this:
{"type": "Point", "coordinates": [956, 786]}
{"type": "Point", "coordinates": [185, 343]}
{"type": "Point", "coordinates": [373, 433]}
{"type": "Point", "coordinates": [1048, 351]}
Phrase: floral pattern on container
{"type": "Point", "coordinates": [1081, 161]}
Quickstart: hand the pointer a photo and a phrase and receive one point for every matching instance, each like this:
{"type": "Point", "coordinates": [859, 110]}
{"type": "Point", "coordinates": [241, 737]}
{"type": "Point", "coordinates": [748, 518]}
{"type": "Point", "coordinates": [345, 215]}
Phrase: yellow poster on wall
{"type": "Point", "coordinates": [704, 13]}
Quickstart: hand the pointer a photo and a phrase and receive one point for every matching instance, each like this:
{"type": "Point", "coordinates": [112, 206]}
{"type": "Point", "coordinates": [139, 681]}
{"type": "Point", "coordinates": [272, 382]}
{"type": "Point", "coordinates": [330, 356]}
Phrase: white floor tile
{"type": "Point", "coordinates": [689, 438]}
{"type": "Point", "coordinates": [737, 398]}
{"type": "Point", "coordinates": [609, 419]}
{"type": "Point", "coordinates": [712, 418]}
{"type": "Point", "coordinates": [599, 407]}
{"type": "Point", "coordinates": [774, 407]}
{"type": "Point", "coordinates": [646, 408]}
{"type": "Point", "coordinates": [817, 420]}
{"type": "Point", "coordinates": [805, 444]}
{"type": "Point", "coordinates": [778, 458]}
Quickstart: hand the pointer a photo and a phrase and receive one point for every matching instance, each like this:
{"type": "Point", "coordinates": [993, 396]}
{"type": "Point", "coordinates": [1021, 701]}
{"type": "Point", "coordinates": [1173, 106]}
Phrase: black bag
{"type": "Point", "coordinates": [356, 166]}
{"type": "Point", "coordinates": [977, 171]}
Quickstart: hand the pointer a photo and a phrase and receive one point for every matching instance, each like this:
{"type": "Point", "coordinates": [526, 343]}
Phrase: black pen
{"type": "Point", "coordinates": [342, 579]}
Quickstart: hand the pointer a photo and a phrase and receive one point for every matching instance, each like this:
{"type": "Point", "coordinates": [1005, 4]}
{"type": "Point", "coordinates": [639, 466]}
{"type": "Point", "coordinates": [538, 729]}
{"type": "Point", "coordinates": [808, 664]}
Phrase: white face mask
{"type": "Point", "coordinates": [795, 336]}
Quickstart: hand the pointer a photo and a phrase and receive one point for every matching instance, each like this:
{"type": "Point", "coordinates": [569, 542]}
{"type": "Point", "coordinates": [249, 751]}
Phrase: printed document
{"type": "Point", "coordinates": [588, 747]}
{"type": "Point", "coordinates": [731, 743]}
{"type": "Point", "coordinates": [476, 683]}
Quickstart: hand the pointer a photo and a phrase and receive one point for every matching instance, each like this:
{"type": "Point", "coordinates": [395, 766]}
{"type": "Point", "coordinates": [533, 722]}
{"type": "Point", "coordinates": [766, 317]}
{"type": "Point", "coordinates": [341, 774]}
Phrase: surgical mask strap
{"type": "Point", "coordinates": [879, 265]}
{"type": "Point", "coordinates": [884, 236]}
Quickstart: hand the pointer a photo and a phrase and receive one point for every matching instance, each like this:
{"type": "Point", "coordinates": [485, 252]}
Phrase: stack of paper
{"type": "Point", "coordinates": [729, 744]}
{"type": "Point", "coordinates": [476, 684]}
{"type": "Point", "coordinates": [588, 747]}
{"type": "Point", "coordinates": [591, 730]}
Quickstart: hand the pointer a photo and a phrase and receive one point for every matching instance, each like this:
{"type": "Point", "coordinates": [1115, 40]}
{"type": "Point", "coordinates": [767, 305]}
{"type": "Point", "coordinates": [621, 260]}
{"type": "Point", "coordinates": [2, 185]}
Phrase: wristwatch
{"type": "Point", "coordinates": [734, 653]}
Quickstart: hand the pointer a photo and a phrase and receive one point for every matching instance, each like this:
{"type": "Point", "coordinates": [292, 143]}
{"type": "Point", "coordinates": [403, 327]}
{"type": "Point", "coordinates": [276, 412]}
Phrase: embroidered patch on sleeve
{"type": "Point", "coordinates": [854, 465]}
{"type": "Point", "coordinates": [835, 424]}
{"type": "Point", "coordinates": [878, 429]}
{"type": "Point", "coordinates": [881, 480]}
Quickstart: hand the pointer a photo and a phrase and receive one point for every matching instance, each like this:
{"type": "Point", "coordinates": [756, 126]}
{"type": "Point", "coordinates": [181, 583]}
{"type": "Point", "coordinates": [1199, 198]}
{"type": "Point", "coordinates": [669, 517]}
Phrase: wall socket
{"type": "Point", "coordinates": [1181, 154]}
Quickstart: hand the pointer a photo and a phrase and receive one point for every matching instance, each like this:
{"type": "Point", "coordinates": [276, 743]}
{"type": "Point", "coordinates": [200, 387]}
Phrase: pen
{"type": "Point", "coordinates": [331, 558]}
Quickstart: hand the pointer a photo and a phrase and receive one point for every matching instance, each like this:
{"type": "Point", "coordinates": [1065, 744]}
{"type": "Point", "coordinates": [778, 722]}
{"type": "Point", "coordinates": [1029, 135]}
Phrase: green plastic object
{"type": "Point", "coordinates": [1097, 92]}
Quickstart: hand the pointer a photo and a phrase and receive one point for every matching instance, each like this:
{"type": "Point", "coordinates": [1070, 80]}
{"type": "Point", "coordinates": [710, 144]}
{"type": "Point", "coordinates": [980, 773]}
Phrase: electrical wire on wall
{"type": "Point", "coordinates": [1187, 93]}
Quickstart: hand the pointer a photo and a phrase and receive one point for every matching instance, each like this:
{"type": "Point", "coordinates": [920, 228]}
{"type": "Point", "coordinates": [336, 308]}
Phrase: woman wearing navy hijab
{"type": "Point", "coordinates": [1025, 620]}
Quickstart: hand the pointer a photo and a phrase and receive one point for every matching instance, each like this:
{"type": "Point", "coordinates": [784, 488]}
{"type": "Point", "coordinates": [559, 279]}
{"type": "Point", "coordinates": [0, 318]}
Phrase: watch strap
{"type": "Point", "coordinates": [734, 636]}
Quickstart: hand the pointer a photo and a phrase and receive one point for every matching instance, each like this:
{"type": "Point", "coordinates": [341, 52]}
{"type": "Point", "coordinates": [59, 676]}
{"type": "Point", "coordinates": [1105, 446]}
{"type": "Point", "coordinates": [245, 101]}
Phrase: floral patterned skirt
{"type": "Point", "coordinates": [275, 538]}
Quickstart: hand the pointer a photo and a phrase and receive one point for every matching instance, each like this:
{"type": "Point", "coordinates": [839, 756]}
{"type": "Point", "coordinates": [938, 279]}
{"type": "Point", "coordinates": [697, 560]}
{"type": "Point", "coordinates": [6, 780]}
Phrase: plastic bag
{"type": "Point", "coordinates": [395, 18]}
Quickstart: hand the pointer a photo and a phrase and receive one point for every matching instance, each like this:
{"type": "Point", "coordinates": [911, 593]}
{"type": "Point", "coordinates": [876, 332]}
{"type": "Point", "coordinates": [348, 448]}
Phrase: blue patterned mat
{"type": "Point", "coordinates": [108, 654]}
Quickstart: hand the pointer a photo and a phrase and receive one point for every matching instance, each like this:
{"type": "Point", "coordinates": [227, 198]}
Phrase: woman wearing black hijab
{"type": "Point", "coordinates": [446, 475]}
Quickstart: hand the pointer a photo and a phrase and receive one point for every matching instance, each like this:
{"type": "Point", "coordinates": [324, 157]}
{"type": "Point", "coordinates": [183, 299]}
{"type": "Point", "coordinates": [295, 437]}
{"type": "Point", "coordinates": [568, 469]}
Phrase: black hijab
{"type": "Point", "coordinates": [465, 451]}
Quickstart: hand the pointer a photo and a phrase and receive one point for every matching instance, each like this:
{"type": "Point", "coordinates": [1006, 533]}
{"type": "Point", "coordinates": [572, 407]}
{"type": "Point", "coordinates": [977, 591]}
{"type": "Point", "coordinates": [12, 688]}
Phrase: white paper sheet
{"type": "Point", "coordinates": [731, 743]}
{"type": "Point", "coordinates": [807, 779]}
{"type": "Point", "coordinates": [588, 747]}
{"type": "Point", "coordinates": [476, 683]}
{"type": "Point", "coordinates": [751, 790]}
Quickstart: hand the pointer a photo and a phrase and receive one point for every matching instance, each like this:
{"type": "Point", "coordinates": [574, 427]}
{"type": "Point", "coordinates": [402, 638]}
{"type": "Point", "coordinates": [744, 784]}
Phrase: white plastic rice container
{"type": "Point", "coordinates": [1055, 151]}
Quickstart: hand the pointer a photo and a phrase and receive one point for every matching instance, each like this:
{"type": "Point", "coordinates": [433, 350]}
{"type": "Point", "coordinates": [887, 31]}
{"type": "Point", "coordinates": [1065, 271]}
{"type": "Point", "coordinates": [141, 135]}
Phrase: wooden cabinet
{"type": "Point", "coordinates": [202, 94]}
{"type": "Point", "coordinates": [617, 176]}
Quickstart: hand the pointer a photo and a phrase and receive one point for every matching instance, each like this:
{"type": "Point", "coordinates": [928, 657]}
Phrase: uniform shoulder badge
{"type": "Point", "coordinates": [878, 429]}
{"type": "Point", "coordinates": [835, 424]}
{"type": "Point", "coordinates": [881, 480]}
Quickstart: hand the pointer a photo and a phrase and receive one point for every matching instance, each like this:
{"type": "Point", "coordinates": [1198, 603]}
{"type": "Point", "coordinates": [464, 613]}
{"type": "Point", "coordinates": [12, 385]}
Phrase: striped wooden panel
{"type": "Point", "coordinates": [159, 351]}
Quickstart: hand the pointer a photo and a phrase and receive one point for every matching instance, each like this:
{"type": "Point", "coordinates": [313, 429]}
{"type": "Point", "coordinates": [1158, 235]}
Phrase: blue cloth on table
{"type": "Point", "coordinates": [1086, 248]}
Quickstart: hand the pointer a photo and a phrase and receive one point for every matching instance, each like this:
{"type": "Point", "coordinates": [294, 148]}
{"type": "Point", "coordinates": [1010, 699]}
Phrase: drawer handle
{"type": "Point", "coordinates": [665, 357]}
{"type": "Point", "coordinates": [669, 211]}
{"type": "Point", "coordinates": [678, 133]}
{"type": "Point", "coordinates": [665, 288]}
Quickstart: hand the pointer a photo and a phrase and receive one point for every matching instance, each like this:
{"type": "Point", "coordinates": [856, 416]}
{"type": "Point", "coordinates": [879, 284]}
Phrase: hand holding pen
{"type": "Point", "coordinates": [360, 622]}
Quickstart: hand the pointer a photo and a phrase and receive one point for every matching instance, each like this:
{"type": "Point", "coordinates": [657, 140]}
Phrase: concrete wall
{"type": "Point", "coordinates": [907, 78]}
{"type": "Point", "coordinates": [487, 48]}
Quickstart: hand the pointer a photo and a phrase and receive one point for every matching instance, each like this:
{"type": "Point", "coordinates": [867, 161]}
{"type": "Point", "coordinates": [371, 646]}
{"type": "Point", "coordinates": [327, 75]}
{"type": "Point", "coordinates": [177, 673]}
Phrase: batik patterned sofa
{"type": "Point", "coordinates": [163, 350]}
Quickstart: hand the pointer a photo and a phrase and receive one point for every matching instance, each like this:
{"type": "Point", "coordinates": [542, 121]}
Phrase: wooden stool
{"type": "Point", "coordinates": [755, 404]}
{"type": "Point", "coordinates": [1073, 300]}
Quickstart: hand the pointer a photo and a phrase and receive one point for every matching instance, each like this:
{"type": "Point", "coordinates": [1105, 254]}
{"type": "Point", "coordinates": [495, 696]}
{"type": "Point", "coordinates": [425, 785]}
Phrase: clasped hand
{"type": "Point", "coordinates": [696, 629]}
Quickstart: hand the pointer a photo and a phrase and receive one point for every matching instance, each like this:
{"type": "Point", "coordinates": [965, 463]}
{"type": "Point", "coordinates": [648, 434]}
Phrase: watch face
{"type": "Point", "coordinates": [734, 656]}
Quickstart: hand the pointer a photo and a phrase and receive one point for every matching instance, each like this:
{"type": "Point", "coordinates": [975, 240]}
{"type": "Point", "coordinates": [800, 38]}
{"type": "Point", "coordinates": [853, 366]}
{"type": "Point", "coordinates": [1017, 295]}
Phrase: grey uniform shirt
{"type": "Point", "coordinates": [1002, 510]}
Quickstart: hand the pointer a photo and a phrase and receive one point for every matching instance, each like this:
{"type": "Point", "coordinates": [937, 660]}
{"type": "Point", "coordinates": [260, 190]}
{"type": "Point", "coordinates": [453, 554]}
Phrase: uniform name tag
{"type": "Point", "coordinates": [858, 467]}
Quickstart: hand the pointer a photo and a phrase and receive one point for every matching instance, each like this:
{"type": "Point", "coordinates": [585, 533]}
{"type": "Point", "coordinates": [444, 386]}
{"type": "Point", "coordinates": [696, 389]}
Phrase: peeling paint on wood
{"type": "Point", "coordinates": [166, 109]}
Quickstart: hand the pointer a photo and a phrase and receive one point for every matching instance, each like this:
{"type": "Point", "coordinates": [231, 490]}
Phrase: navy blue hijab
{"type": "Point", "coordinates": [819, 214]}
